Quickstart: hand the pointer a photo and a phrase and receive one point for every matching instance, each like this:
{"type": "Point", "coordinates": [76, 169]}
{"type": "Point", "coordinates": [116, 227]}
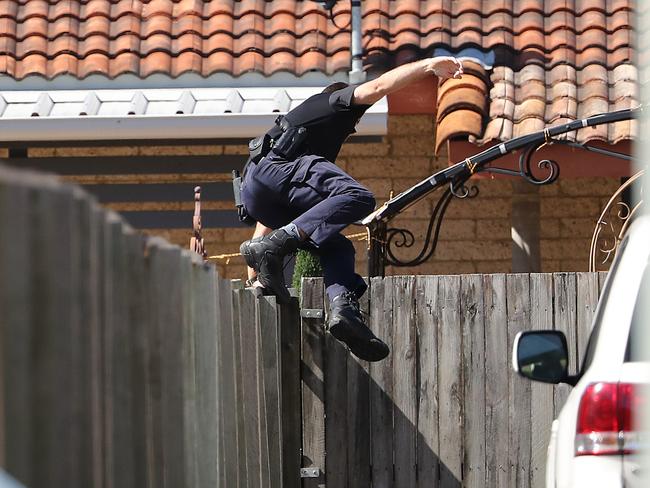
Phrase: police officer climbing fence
{"type": "Point", "coordinates": [299, 198]}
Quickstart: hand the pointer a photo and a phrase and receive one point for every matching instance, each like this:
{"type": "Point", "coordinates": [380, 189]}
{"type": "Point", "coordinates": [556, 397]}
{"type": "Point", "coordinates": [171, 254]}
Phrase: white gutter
{"type": "Point", "coordinates": [136, 127]}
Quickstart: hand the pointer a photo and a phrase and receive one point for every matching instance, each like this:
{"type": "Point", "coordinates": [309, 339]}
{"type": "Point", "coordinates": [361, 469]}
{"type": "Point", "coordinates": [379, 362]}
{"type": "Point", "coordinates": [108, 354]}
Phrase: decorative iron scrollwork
{"type": "Point", "coordinates": [611, 227]}
{"type": "Point", "coordinates": [385, 242]}
{"type": "Point", "coordinates": [525, 165]}
{"type": "Point", "coordinates": [401, 238]}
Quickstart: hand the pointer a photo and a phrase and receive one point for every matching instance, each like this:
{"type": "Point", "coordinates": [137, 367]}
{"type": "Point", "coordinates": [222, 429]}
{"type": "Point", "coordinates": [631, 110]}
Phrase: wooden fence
{"type": "Point", "coordinates": [127, 362]}
{"type": "Point", "coordinates": [445, 408]}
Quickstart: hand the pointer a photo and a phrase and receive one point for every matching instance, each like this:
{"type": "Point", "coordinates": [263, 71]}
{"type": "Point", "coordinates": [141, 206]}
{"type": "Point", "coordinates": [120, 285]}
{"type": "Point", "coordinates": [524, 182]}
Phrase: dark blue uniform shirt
{"type": "Point", "coordinates": [329, 118]}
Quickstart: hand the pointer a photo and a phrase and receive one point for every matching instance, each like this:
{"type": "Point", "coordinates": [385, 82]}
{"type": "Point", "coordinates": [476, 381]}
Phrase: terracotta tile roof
{"type": "Point", "coordinates": [553, 59]}
{"type": "Point", "coordinates": [503, 103]}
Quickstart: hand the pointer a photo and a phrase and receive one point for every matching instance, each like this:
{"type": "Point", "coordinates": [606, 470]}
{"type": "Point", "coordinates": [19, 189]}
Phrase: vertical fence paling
{"type": "Point", "coordinates": [313, 383]}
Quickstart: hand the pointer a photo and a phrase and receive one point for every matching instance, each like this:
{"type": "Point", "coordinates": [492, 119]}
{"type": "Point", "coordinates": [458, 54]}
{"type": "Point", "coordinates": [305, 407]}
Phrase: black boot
{"type": "Point", "coordinates": [266, 255]}
{"type": "Point", "coordinates": [347, 325]}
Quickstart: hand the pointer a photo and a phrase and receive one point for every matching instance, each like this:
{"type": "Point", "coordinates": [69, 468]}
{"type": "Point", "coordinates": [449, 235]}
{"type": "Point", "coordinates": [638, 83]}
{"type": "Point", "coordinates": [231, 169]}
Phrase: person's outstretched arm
{"type": "Point", "coordinates": [402, 76]}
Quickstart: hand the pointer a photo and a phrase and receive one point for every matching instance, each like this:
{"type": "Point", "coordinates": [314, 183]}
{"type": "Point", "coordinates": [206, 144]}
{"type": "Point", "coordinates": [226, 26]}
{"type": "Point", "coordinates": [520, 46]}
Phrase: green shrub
{"type": "Point", "coordinates": [308, 265]}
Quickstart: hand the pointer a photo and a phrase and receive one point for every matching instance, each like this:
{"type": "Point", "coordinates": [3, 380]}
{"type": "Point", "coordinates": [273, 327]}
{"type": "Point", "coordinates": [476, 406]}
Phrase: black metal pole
{"type": "Point", "coordinates": [376, 250]}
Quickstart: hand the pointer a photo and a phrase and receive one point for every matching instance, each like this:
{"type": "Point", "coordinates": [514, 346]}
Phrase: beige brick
{"type": "Point", "coordinates": [589, 186]}
{"type": "Point", "coordinates": [551, 190]}
{"type": "Point", "coordinates": [603, 201]}
{"type": "Point", "coordinates": [493, 266]}
{"type": "Point", "coordinates": [364, 149]}
{"type": "Point", "coordinates": [182, 236]}
{"type": "Point", "coordinates": [361, 263]}
{"type": "Point", "coordinates": [419, 210]}
{"type": "Point", "coordinates": [399, 125]}
{"type": "Point", "coordinates": [209, 150]}
{"type": "Point", "coordinates": [237, 235]}
{"type": "Point", "coordinates": [439, 163]}
{"type": "Point", "coordinates": [574, 265]}
{"type": "Point", "coordinates": [166, 206]}
{"type": "Point", "coordinates": [343, 163]}
{"type": "Point", "coordinates": [235, 149]}
{"type": "Point", "coordinates": [577, 227]}
{"type": "Point", "coordinates": [41, 152]}
{"type": "Point", "coordinates": [360, 247]}
{"type": "Point", "coordinates": [457, 230]}
{"type": "Point", "coordinates": [479, 208]}
{"type": "Point", "coordinates": [565, 249]}
{"type": "Point", "coordinates": [493, 188]}
{"type": "Point", "coordinates": [473, 250]}
{"type": "Point", "coordinates": [83, 151]}
{"type": "Point", "coordinates": [401, 184]}
{"type": "Point", "coordinates": [434, 268]}
{"type": "Point", "coordinates": [151, 178]}
{"type": "Point", "coordinates": [380, 187]}
{"type": "Point", "coordinates": [387, 167]}
{"type": "Point", "coordinates": [493, 229]}
{"type": "Point", "coordinates": [569, 207]}
{"type": "Point", "coordinates": [550, 265]}
{"type": "Point", "coordinates": [412, 145]}
{"type": "Point", "coordinates": [549, 228]}
{"type": "Point", "coordinates": [235, 271]}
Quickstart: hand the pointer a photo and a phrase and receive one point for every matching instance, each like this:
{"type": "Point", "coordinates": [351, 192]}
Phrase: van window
{"type": "Point", "coordinates": [635, 343]}
{"type": "Point", "coordinates": [593, 338]}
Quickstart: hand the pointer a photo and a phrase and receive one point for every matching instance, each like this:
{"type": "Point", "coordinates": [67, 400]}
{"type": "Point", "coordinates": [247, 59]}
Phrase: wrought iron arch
{"type": "Point", "coordinates": [385, 242]}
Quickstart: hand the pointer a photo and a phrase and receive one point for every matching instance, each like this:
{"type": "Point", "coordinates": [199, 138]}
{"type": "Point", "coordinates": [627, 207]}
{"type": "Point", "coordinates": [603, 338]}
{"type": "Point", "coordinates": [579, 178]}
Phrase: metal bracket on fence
{"type": "Point", "coordinates": [312, 313]}
{"type": "Point", "coordinates": [309, 472]}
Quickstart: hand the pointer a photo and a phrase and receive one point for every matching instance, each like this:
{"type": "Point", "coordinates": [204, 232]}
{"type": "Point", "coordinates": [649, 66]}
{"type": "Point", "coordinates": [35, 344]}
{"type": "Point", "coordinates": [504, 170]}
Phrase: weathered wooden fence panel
{"type": "Point", "coordinates": [445, 408]}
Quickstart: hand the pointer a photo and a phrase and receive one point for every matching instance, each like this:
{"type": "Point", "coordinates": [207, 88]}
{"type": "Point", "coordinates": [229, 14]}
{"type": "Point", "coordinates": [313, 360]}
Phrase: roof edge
{"type": "Point", "coordinates": [159, 80]}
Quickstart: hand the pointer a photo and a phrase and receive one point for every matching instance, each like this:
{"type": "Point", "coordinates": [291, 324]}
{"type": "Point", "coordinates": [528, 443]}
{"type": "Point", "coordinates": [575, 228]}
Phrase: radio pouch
{"type": "Point", "coordinates": [290, 144]}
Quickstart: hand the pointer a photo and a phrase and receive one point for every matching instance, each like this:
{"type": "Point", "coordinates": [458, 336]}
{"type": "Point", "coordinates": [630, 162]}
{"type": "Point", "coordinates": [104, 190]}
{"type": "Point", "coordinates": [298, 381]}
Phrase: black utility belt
{"type": "Point", "coordinates": [289, 145]}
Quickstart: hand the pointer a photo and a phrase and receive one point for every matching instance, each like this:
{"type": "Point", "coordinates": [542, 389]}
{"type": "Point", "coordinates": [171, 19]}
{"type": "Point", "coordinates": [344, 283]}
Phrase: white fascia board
{"type": "Point", "coordinates": [151, 127]}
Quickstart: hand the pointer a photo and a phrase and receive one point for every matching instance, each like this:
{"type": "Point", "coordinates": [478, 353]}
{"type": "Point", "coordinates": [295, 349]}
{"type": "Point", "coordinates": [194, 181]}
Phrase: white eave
{"type": "Point", "coordinates": [156, 114]}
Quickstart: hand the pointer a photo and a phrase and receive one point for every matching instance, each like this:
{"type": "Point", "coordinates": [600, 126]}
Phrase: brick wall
{"type": "Point", "coordinates": [475, 235]}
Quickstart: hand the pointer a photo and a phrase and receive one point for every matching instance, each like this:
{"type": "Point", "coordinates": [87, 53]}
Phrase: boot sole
{"type": "Point", "coordinates": [360, 347]}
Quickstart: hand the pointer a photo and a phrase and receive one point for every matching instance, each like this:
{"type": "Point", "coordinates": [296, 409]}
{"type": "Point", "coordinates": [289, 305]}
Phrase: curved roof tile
{"type": "Point", "coordinates": [532, 98]}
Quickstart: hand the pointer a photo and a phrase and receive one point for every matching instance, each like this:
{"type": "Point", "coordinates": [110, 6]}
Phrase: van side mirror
{"type": "Point", "coordinates": [541, 356]}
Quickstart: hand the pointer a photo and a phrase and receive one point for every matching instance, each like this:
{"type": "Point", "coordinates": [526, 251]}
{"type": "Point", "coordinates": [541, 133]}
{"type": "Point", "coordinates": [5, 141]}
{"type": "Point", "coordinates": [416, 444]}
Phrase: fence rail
{"type": "Point", "coordinates": [127, 362]}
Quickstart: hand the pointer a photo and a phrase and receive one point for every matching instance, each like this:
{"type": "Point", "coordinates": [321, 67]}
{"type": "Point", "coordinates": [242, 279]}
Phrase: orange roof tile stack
{"type": "Point", "coordinates": [554, 60]}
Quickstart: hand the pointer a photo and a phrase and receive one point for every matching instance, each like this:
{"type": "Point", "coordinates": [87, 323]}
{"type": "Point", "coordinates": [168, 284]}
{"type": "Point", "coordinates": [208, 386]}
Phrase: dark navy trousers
{"type": "Point", "coordinates": [321, 199]}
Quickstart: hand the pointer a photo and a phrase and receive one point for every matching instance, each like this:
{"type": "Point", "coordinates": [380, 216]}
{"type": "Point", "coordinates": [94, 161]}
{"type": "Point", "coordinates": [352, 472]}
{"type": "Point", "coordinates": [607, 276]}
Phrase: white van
{"type": "Point", "coordinates": [595, 440]}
